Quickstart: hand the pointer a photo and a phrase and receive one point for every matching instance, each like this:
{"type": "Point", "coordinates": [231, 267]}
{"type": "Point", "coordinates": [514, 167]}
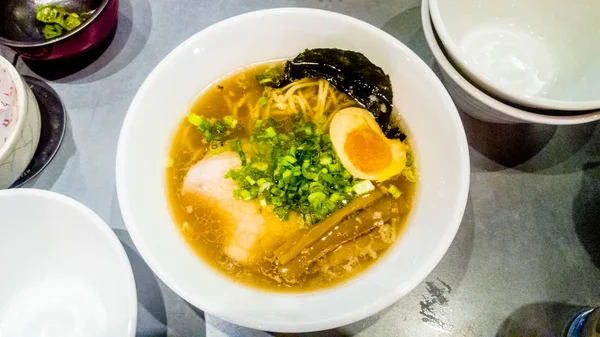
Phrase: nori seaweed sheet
{"type": "Point", "coordinates": [352, 73]}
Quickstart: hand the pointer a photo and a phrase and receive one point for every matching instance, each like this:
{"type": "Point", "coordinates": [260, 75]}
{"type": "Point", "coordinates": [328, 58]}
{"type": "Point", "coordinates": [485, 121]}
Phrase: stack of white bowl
{"type": "Point", "coordinates": [518, 61]}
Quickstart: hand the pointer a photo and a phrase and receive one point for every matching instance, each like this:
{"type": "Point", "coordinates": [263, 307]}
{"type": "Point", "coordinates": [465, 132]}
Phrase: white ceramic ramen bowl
{"type": "Point", "coordinates": [20, 124]}
{"type": "Point", "coordinates": [542, 54]}
{"type": "Point", "coordinates": [471, 100]}
{"type": "Point", "coordinates": [163, 101]}
{"type": "Point", "coordinates": [64, 272]}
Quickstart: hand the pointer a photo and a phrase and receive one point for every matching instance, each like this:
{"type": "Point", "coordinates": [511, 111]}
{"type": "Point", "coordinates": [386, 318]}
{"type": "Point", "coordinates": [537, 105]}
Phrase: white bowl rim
{"type": "Point", "coordinates": [356, 314]}
{"type": "Point", "coordinates": [107, 232]}
{"type": "Point", "coordinates": [484, 98]}
{"type": "Point", "coordinates": [528, 101]}
{"type": "Point", "coordinates": [21, 90]}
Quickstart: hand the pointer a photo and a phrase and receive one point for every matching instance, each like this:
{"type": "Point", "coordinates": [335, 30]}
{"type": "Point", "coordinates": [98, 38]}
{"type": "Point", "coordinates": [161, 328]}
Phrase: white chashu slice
{"type": "Point", "coordinates": [207, 180]}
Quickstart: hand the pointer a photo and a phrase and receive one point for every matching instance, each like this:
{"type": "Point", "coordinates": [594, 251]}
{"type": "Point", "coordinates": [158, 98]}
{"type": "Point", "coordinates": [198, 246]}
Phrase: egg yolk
{"type": "Point", "coordinates": [367, 151]}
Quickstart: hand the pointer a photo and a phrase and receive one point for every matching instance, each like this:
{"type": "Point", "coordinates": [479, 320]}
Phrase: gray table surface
{"type": "Point", "coordinates": [530, 237]}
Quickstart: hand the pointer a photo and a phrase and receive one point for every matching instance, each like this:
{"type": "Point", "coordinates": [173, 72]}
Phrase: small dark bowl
{"type": "Point", "coordinates": [20, 30]}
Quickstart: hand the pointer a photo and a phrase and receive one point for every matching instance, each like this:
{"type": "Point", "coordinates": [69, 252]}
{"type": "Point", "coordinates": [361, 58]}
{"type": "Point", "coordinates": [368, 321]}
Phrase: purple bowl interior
{"type": "Point", "coordinates": [18, 22]}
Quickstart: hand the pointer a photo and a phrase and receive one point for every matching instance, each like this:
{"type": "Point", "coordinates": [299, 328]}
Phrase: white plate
{"type": "Point", "coordinates": [64, 272]}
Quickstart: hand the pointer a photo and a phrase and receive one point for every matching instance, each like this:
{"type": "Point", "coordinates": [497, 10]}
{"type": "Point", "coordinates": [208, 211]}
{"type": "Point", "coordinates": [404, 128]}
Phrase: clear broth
{"type": "Point", "coordinates": [201, 221]}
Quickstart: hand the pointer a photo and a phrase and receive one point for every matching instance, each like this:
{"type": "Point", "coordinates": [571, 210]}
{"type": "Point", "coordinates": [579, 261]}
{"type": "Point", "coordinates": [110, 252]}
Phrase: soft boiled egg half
{"type": "Point", "coordinates": [363, 149]}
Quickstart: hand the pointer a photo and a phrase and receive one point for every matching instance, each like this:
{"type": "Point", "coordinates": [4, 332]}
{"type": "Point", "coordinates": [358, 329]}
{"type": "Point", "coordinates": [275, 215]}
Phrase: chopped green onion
{"type": "Point", "coordinates": [363, 187]}
{"type": "Point", "coordinates": [281, 212]}
{"type": "Point", "coordinates": [307, 174]}
{"type": "Point", "coordinates": [262, 101]}
{"type": "Point", "coordinates": [270, 132]}
{"type": "Point", "coordinates": [335, 197]}
{"type": "Point", "coordinates": [250, 180]}
{"type": "Point", "coordinates": [262, 77]}
{"type": "Point", "coordinates": [220, 127]}
{"type": "Point", "coordinates": [317, 198]}
{"type": "Point", "coordinates": [204, 125]}
{"type": "Point", "coordinates": [316, 186]}
{"type": "Point", "coordinates": [237, 147]}
{"type": "Point", "coordinates": [394, 191]}
{"type": "Point", "coordinates": [264, 187]}
{"type": "Point", "coordinates": [325, 161]}
{"type": "Point", "coordinates": [276, 201]}
{"type": "Point", "coordinates": [265, 80]}
{"type": "Point", "coordinates": [230, 122]}
{"type": "Point", "coordinates": [296, 171]}
{"type": "Point", "coordinates": [194, 119]}
{"type": "Point", "coordinates": [244, 194]}
{"type": "Point", "coordinates": [334, 167]}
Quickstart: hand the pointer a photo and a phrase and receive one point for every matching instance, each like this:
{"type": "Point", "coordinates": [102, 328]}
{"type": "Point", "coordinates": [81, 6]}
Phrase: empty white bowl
{"type": "Point", "coordinates": [471, 100]}
{"type": "Point", "coordinates": [64, 272]}
{"type": "Point", "coordinates": [20, 124]}
{"type": "Point", "coordinates": [542, 54]}
{"type": "Point", "coordinates": [163, 101]}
